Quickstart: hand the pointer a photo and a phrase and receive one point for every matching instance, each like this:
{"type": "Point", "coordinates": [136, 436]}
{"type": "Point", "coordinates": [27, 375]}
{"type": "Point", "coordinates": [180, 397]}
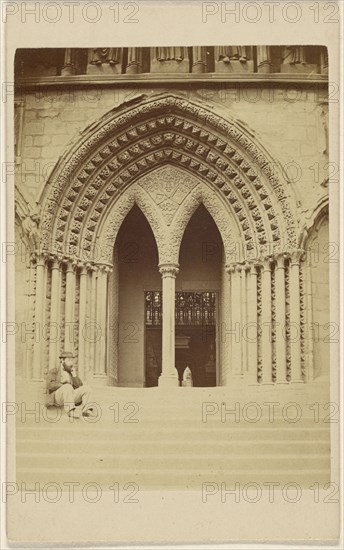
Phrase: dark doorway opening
{"type": "Point", "coordinates": [195, 344]}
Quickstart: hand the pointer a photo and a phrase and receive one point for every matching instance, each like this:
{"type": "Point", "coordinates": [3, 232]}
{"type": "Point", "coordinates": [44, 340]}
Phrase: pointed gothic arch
{"type": "Point", "coordinates": [168, 155]}
{"type": "Point", "coordinates": [135, 138]}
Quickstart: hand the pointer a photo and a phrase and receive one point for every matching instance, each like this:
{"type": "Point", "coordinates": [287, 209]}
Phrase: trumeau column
{"type": "Point", "coordinates": [235, 331]}
{"type": "Point", "coordinates": [101, 320]}
{"type": "Point", "coordinates": [251, 332]}
{"type": "Point", "coordinates": [266, 322]}
{"type": "Point", "coordinates": [295, 317]}
{"type": "Point", "coordinates": [169, 374]}
{"type": "Point", "coordinates": [281, 344]}
{"type": "Point", "coordinates": [70, 306]}
{"type": "Point", "coordinates": [39, 316]}
{"type": "Point", "coordinates": [82, 321]}
{"type": "Point", "coordinates": [55, 326]}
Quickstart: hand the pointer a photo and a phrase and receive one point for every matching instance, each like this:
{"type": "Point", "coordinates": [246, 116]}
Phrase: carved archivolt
{"type": "Point", "coordinates": [168, 212]}
{"type": "Point", "coordinates": [129, 144]}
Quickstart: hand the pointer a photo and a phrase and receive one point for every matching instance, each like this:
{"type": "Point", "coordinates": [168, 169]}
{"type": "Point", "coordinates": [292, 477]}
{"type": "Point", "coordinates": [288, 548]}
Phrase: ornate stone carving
{"type": "Point", "coordinates": [302, 321]}
{"type": "Point", "coordinates": [228, 53]}
{"type": "Point", "coordinates": [294, 54]}
{"type": "Point", "coordinates": [287, 322]}
{"type": "Point", "coordinates": [273, 320]}
{"type": "Point", "coordinates": [168, 188]}
{"type": "Point", "coordinates": [259, 328]}
{"type": "Point", "coordinates": [175, 53]}
{"type": "Point", "coordinates": [169, 270]}
{"type": "Point", "coordinates": [98, 56]}
{"type": "Point", "coordinates": [185, 119]}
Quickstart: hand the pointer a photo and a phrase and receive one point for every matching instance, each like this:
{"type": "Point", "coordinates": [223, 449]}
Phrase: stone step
{"type": "Point", "coordinates": [304, 394]}
{"type": "Point", "coordinates": [152, 447]}
{"type": "Point", "coordinates": [132, 413]}
{"type": "Point", "coordinates": [160, 479]}
{"type": "Point", "coordinates": [136, 432]}
{"type": "Point", "coordinates": [192, 463]}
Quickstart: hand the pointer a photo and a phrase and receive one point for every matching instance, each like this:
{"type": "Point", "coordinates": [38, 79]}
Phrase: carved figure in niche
{"type": "Point", "coordinates": [294, 55]}
{"type": "Point", "coordinates": [105, 55]}
{"type": "Point", "coordinates": [232, 53]}
{"type": "Point", "coordinates": [170, 53]}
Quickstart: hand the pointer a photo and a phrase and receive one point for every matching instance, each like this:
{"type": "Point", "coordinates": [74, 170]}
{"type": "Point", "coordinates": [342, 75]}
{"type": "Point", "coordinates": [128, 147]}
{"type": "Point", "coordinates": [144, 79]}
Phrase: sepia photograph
{"type": "Point", "coordinates": [172, 328]}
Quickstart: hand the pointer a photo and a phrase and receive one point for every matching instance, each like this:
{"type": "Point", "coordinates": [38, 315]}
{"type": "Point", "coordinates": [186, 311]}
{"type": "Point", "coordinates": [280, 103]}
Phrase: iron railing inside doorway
{"type": "Point", "coordinates": [191, 308]}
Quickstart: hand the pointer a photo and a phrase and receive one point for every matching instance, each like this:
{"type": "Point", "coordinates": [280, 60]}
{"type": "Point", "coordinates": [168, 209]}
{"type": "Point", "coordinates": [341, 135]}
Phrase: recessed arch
{"type": "Point", "coordinates": [221, 214]}
{"type": "Point", "coordinates": [116, 214]}
{"type": "Point", "coordinates": [169, 216]}
{"type": "Point", "coordinates": [132, 140]}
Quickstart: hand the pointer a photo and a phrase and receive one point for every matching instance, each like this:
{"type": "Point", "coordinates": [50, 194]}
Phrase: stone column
{"type": "Point", "coordinates": [225, 310]}
{"type": "Point", "coordinates": [55, 325]}
{"type": "Point", "coordinates": [82, 321]}
{"type": "Point", "coordinates": [30, 304]}
{"type": "Point", "coordinates": [324, 60]}
{"type": "Point", "coordinates": [169, 374]}
{"type": "Point", "coordinates": [92, 331]}
{"type": "Point", "coordinates": [309, 331]}
{"type": "Point", "coordinates": [39, 316]}
{"type": "Point", "coordinates": [251, 333]}
{"type": "Point", "coordinates": [69, 65]}
{"type": "Point", "coordinates": [199, 59]}
{"type": "Point", "coordinates": [134, 65]}
{"type": "Point", "coordinates": [295, 320]}
{"type": "Point", "coordinates": [101, 320]}
{"type": "Point", "coordinates": [263, 59]}
{"type": "Point", "coordinates": [281, 344]}
{"type": "Point", "coordinates": [266, 323]}
{"type": "Point", "coordinates": [243, 338]}
{"type": "Point", "coordinates": [70, 306]}
{"type": "Point", "coordinates": [234, 272]}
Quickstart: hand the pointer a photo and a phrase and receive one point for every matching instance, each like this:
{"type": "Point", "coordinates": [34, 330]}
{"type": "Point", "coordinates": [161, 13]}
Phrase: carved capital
{"type": "Point", "coordinates": [40, 258]}
{"type": "Point", "coordinates": [296, 256]}
{"type": "Point", "coordinates": [72, 265]}
{"type": "Point", "coordinates": [169, 270]}
{"type": "Point", "coordinates": [235, 268]}
{"type": "Point", "coordinates": [280, 260]}
{"type": "Point", "coordinates": [56, 261]}
{"type": "Point", "coordinates": [254, 266]}
{"type": "Point", "coordinates": [83, 268]}
{"type": "Point", "coordinates": [267, 263]}
{"type": "Point", "coordinates": [230, 268]}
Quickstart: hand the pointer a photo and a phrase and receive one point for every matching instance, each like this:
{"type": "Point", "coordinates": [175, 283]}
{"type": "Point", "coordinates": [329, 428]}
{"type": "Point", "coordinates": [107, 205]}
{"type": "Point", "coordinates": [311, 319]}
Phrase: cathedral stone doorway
{"type": "Point", "coordinates": [197, 306]}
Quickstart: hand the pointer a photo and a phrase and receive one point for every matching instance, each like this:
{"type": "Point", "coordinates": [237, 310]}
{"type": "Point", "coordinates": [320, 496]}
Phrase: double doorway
{"type": "Point", "coordinates": [137, 303]}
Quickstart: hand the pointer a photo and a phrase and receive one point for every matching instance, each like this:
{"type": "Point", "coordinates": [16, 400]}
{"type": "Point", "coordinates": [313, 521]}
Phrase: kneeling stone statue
{"type": "Point", "coordinates": [187, 378]}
